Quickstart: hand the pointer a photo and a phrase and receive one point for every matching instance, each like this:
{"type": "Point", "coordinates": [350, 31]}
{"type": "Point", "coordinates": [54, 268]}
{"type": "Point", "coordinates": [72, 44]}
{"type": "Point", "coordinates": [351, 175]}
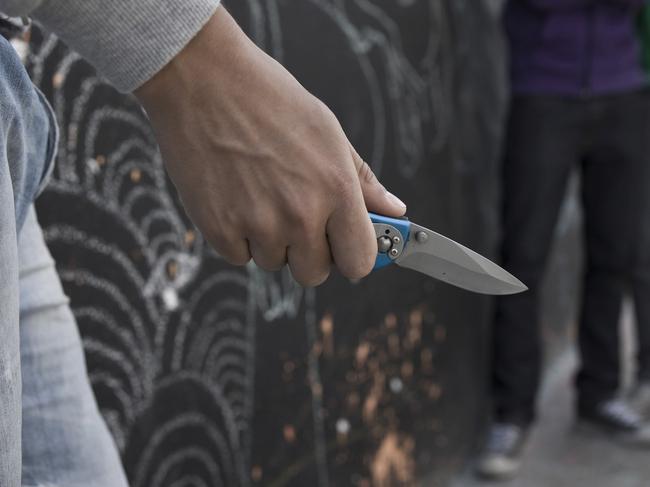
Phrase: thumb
{"type": "Point", "coordinates": [377, 198]}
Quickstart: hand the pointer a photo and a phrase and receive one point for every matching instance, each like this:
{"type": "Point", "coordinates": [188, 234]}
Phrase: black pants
{"type": "Point", "coordinates": [608, 139]}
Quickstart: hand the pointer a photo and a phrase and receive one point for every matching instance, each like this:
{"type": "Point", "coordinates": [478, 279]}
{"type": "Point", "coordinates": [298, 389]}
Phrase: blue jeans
{"type": "Point", "coordinates": [51, 431]}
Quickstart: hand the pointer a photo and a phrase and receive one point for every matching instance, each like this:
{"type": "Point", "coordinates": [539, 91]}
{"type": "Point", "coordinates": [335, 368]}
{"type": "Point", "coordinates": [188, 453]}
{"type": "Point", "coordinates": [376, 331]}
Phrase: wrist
{"type": "Point", "coordinates": [207, 58]}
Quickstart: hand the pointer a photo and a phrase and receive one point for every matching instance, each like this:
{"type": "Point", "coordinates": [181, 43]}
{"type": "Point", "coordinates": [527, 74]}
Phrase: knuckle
{"type": "Point", "coordinates": [313, 279]}
{"type": "Point", "coordinates": [270, 265]}
{"type": "Point", "coordinates": [267, 239]}
{"type": "Point", "coordinates": [213, 237]}
{"type": "Point", "coordinates": [227, 248]}
{"type": "Point", "coordinates": [322, 111]}
{"type": "Point", "coordinates": [306, 224]}
{"type": "Point", "coordinates": [321, 119]}
{"type": "Point", "coordinates": [236, 259]}
{"type": "Point", "coordinates": [268, 253]}
{"type": "Point", "coordinates": [258, 225]}
{"type": "Point", "coordinates": [358, 271]}
{"type": "Point", "coordinates": [346, 188]}
{"type": "Point", "coordinates": [232, 255]}
{"type": "Point", "coordinates": [304, 219]}
{"type": "Point", "coordinates": [366, 174]}
{"type": "Point", "coordinates": [360, 267]}
{"type": "Point", "coordinates": [298, 211]}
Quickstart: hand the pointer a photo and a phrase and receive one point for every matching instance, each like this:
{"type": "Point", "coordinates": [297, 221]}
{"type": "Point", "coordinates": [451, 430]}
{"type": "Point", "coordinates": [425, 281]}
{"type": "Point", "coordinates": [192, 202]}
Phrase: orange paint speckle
{"type": "Point", "coordinates": [374, 396]}
{"type": "Point", "coordinates": [361, 354]}
{"type": "Point", "coordinates": [57, 80]}
{"type": "Point", "coordinates": [415, 318]}
{"type": "Point", "coordinates": [327, 329]}
{"type": "Point", "coordinates": [136, 175]}
{"type": "Point", "coordinates": [407, 370]}
{"type": "Point", "coordinates": [435, 391]}
{"type": "Point", "coordinates": [393, 463]}
{"type": "Point", "coordinates": [172, 269]}
{"type": "Point", "coordinates": [289, 433]}
{"type": "Point", "coordinates": [390, 321]}
{"type": "Point", "coordinates": [256, 473]}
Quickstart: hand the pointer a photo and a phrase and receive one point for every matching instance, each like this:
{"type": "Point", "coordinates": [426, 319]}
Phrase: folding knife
{"type": "Point", "coordinates": [409, 245]}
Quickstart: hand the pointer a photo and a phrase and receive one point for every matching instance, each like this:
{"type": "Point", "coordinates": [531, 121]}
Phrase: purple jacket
{"type": "Point", "coordinates": [574, 47]}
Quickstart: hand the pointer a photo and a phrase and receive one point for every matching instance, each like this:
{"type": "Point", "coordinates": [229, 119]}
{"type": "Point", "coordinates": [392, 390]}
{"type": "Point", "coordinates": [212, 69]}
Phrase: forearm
{"type": "Point", "coordinates": [128, 42]}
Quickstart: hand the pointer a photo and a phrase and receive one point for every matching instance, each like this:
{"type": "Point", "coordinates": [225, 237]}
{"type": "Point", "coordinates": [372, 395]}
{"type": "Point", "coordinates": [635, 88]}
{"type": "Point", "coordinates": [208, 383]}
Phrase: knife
{"type": "Point", "coordinates": [414, 247]}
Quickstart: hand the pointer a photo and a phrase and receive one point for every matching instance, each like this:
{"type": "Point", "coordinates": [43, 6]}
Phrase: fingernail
{"type": "Point", "coordinates": [395, 200]}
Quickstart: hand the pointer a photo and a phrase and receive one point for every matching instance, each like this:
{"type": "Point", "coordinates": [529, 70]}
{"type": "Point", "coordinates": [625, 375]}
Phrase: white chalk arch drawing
{"type": "Point", "coordinates": [135, 261]}
{"type": "Point", "coordinates": [393, 105]}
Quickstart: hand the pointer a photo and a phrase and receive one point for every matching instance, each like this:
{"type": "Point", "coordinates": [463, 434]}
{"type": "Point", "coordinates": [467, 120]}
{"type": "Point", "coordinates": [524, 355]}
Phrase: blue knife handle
{"type": "Point", "coordinates": [401, 224]}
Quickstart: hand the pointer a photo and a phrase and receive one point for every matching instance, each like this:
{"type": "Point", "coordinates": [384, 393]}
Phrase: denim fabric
{"type": "Point", "coordinates": [65, 440]}
{"type": "Point", "coordinates": [24, 135]}
{"type": "Point", "coordinates": [51, 433]}
{"type": "Point", "coordinates": [26, 132]}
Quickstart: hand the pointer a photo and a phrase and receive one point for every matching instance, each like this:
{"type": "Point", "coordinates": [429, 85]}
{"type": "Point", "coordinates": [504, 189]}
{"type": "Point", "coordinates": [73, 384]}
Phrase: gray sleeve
{"type": "Point", "coordinates": [128, 41]}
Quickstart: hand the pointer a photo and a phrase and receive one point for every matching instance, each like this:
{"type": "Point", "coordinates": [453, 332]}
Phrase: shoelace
{"type": "Point", "coordinates": [502, 438]}
{"type": "Point", "coordinates": [621, 412]}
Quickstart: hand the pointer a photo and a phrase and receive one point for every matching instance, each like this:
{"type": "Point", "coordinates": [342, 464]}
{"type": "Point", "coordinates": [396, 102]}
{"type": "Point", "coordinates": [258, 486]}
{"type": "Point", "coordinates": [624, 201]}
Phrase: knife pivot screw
{"type": "Point", "coordinates": [384, 244]}
{"type": "Point", "coordinates": [394, 252]}
{"type": "Point", "coordinates": [421, 237]}
{"type": "Point", "coordinates": [396, 240]}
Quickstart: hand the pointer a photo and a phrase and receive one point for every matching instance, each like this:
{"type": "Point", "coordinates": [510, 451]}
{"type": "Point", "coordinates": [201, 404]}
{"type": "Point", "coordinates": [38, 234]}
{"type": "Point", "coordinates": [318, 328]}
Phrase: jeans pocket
{"type": "Point", "coordinates": [52, 143]}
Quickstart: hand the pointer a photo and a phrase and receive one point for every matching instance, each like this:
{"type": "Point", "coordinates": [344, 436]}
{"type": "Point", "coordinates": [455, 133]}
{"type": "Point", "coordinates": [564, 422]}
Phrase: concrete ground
{"type": "Point", "coordinates": [560, 455]}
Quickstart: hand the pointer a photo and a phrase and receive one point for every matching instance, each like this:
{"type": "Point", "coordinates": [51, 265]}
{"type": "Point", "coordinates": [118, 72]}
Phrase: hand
{"type": "Point", "coordinates": [263, 167]}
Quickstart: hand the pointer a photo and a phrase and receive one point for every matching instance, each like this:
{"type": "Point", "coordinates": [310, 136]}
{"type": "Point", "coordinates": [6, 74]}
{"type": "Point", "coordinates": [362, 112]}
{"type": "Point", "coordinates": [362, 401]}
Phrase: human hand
{"type": "Point", "coordinates": [262, 167]}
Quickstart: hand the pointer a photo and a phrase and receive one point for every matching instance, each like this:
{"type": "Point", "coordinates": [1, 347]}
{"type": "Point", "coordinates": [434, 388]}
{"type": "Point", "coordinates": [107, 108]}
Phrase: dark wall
{"type": "Point", "coordinates": [213, 375]}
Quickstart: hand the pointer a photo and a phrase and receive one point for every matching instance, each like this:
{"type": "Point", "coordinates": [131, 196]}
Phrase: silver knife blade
{"type": "Point", "coordinates": [442, 258]}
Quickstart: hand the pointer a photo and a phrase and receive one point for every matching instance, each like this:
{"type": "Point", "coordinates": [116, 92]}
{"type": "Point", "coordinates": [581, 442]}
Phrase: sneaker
{"type": "Point", "coordinates": [619, 420]}
{"type": "Point", "coordinates": [639, 399]}
{"type": "Point", "coordinates": [501, 457]}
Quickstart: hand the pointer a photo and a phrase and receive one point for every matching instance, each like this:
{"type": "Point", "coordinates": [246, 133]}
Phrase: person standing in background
{"type": "Point", "coordinates": [640, 397]}
{"type": "Point", "coordinates": [579, 101]}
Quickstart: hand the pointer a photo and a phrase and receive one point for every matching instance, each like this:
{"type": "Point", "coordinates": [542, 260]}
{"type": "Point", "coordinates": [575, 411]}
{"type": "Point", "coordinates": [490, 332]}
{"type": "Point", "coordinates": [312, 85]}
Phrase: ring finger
{"type": "Point", "coordinates": [269, 257]}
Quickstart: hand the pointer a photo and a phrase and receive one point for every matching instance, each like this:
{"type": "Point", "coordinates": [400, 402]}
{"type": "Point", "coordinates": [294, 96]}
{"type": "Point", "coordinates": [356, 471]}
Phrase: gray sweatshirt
{"type": "Point", "coordinates": [128, 41]}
